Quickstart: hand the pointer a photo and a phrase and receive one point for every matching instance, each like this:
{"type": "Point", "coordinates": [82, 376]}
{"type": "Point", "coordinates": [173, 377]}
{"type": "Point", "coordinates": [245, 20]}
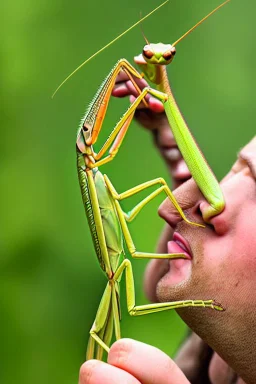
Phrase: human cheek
{"type": "Point", "coordinates": [240, 220]}
{"type": "Point", "coordinates": [236, 191]}
{"type": "Point", "coordinates": [232, 261]}
{"type": "Point", "coordinates": [245, 241]}
{"type": "Point", "coordinates": [217, 261]}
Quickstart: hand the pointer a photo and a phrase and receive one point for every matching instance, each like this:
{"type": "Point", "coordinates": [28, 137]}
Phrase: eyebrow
{"type": "Point", "coordinates": [250, 159]}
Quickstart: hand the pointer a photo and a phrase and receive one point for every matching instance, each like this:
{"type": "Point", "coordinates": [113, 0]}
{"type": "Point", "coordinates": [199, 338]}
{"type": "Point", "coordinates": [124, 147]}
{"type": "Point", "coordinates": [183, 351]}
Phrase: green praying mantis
{"type": "Point", "coordinates": [106, 218]}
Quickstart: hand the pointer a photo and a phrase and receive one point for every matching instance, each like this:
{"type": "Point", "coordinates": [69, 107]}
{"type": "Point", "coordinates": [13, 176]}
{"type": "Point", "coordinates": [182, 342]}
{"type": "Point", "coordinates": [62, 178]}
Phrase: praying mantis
{"type": "Point", "coordinates": [107, 220]}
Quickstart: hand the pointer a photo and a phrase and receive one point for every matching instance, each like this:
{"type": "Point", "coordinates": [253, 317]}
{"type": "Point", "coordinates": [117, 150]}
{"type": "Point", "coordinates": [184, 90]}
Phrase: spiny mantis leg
{"type": "Point", "coordinates": [157, 307]}
{"type": "Point", "coordinates": [95, 114]}
{"type": "Point", "coordinates": [123, 217]}
{"type": "Point", "coordinates": [118, 134]}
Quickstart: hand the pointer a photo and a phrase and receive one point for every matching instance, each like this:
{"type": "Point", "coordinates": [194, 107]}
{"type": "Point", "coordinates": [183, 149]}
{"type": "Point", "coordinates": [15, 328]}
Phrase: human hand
{"type": "Point", "coordinates": [132, 362]}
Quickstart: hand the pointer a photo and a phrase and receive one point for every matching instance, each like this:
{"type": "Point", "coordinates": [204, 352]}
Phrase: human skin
{"type": "Point", "coordinates": [222, 267]}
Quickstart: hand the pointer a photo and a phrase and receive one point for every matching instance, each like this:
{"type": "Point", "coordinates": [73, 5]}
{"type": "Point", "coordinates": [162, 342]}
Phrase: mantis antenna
{"type": "Point", "coordinates": [200, 22]}
{"type": "Point", "coordinates": [107, 45]}
{"type": "Point", "coordinates": [143, 34]}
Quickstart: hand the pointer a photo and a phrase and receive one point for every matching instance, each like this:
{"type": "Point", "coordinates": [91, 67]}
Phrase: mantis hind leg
{"type": "Point", "coordinates": [105, 334]}
{"type": "Point", "coordinates": [101, 321]}
{"type": "Point", "coordinates": [112, 323]}
{"type": "Point", "coordinates": [107, 320]}
{"type": "Point", "coordinates": [135, 310]}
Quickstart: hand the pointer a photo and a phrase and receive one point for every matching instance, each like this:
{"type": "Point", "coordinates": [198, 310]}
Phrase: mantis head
{"type": "Point", "coordinates": [160, 54]}
{"type": "Point", "coordinates": [163, 54]}
{"type": "Point", "coordinates": [168, 50]}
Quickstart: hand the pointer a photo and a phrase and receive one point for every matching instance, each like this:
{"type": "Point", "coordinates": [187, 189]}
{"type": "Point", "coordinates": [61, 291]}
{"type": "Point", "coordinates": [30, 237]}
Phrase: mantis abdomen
{"type": "Point", "coordinates": [101, 215]}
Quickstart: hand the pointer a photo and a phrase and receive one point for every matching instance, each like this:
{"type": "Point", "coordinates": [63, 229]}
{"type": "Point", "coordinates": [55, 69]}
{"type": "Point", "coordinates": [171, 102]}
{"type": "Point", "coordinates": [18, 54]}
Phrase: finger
{"type": "Point", "coordinates": [140, 106]}
{"type": "Point", "coordinates": [155, 105]}
{"type": "Point", "coordinates": [120, 90]}
{"type": "Point", "coordinates": [121, 77]}
{"type": "Point", "coordinates": [124, 89]}
{"type": "Point", "coordinates": [125, 83]}
{"type": "Point", "coordinates": [141, 83]}
{"type": "Point", "coordinates": [97, 372]}
{"type": "Point", "coordinates": [128, 89]}
{"type": "Point", "coordinates": [148, 364]}
{"type": "Point", "coordinates": [139, 59]}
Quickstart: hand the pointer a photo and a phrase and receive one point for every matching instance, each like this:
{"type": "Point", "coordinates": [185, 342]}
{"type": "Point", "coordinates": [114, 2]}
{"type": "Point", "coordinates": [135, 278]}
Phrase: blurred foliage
{"type": "Point", "coordinates": [51, 283]}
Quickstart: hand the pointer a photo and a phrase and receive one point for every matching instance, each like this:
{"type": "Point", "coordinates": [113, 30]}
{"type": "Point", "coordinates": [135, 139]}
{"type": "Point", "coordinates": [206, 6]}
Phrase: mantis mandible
{"type": "Point", "coordinates": [107, 220]}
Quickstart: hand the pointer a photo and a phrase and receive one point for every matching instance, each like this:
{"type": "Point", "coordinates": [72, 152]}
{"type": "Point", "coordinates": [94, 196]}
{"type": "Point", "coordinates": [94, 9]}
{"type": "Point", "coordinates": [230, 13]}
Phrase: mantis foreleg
{"type": "Point", "coordinates": [194, 159]}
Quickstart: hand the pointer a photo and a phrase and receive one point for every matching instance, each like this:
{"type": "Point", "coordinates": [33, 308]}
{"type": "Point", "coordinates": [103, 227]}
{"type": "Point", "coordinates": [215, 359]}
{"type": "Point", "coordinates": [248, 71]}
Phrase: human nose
{"type": "Point", "coordinates": [189, 197]}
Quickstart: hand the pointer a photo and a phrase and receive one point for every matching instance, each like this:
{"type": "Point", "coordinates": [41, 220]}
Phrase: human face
{"type": "Point", "coordinates": [222, 265]}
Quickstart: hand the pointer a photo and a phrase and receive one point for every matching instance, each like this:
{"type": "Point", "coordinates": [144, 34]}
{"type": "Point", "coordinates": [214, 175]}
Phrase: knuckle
{"type": "Point", "coordinates": [86, 371]}
{"type": "Point", "coordinates": [127, 262]}
{"type": "Point", "coordinates": [120, 352]}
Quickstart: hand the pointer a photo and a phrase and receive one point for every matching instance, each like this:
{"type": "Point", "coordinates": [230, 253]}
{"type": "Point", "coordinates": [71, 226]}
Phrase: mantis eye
{"type": "Point", "coordinates": [168, 55]}
{"type": "Point", "coordinates": [147, 53]}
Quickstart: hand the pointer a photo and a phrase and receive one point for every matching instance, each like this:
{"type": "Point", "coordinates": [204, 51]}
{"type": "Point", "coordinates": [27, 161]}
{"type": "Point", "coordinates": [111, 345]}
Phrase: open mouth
{"type": "Point", "coordinates": [179, 245]}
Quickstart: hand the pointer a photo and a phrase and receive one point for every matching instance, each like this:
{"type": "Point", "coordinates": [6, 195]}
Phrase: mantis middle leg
{"type": "Point", "coordinates": [123, 217]}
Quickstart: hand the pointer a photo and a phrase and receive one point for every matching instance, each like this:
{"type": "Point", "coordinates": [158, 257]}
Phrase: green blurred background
{"type": "Point", "coordinates": [51, 283]}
